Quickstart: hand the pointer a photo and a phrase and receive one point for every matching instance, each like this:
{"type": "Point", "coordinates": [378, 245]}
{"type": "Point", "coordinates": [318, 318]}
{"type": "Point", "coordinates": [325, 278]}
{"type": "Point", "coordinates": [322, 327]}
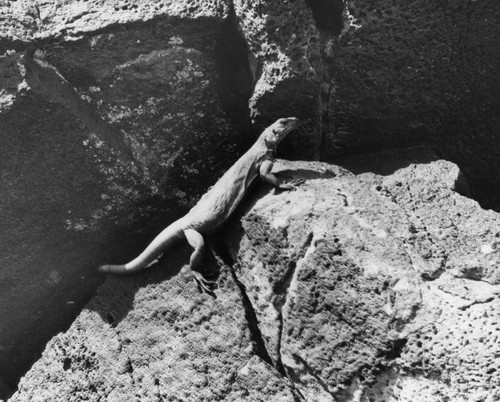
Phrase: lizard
{"type": "Point", "coordinates": [216, 205]}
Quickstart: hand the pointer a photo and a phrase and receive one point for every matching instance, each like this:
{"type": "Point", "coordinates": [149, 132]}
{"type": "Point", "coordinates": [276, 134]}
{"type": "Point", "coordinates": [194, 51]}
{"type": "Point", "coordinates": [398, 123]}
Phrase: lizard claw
{"type": "Point", "coordinates": [291, 185]}
{"type": "Point", "coordinates": [203, 284]}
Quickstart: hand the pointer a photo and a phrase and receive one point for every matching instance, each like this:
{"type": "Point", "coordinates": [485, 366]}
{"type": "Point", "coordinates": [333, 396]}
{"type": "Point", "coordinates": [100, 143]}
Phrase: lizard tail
{"type": "Point", "coordinates": [163, 241]}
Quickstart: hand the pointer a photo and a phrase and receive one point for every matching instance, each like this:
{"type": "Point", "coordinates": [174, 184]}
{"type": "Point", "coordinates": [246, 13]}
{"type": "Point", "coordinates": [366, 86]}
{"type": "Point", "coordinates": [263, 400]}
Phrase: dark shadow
{"type": "Point", "coordinates": [328, 14]}
{"type": "Point", "coordinates": [386, 162]}
{"type": "Point", "coordinates": [231, 54]}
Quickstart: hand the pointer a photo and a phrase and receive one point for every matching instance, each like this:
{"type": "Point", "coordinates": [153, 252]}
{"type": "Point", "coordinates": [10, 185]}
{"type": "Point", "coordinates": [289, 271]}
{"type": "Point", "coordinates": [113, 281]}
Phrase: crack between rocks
{"type": "Point", "coordinates": [328, 15]}
{"type": "Point", "coordinates": [282, 290]}
{"type": "Point", "coordinates": [257, 338]}
{"type": "Point", "coordinates": [309, 370]}
{"type": "Point", "coordinates": [260, 349]}
{"type": "Point", "coordinates": [222, 257]}
{"type": "Point", "coordinates": [235, 74]}
{"type": "Point", "coordinates": [253, 323]}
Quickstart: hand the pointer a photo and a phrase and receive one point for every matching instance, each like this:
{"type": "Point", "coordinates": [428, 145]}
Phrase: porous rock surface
{"type": "Point", "coordinates": [415, 73]}
{"type": "Point", "coordinates": [105, 109]}
{"type": "Point", "coordinates": [351, 288]}
{"type": "Point", "coordinates": [366, 76]}
{"type": "Point", "coordinates": [107, 106]}
{"type": "Point", "coordinates": [285, 58]}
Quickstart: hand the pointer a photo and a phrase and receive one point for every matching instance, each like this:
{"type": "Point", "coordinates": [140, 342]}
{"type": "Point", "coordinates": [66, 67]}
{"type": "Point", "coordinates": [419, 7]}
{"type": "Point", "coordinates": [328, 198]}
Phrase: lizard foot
{"type": "Point", "coordinates": [291, 185]}
{"type": "Point", "coordinates": [203, 284]}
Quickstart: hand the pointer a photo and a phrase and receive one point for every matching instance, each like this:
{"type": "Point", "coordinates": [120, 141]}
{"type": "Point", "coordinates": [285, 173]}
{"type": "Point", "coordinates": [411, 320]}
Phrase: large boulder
{"type": "Point", "coordinates": [107, 114]}
{"type": "Point", "coordinates": [154, 337]}
{"type": "Point", "coordinates": [352, 287]}
{"type": "Point", "coordinates": [416, 73]}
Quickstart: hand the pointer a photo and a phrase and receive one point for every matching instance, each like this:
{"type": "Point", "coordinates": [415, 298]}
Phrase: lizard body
{"type": "Point", "coordinates": [216, 205]}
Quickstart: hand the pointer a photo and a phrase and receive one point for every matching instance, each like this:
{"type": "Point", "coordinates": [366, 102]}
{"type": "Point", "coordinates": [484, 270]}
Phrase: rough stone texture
{"type": "Point", "coordinates": [416, 73]}
{"type": "Point", "coordinates": [107, 113]}
{"type": "Point", "coordinates": [452, 359]}
{"type": "Point", "coordinates": [106, 107]}
{"type": "Point", "coordinates": [355, 288]}
{"type": "Point", "coordinates": [153, 337]}
{"type": "Point", "coordinates": [46, 19]}
{"type": "Point", "coordinates": [285, 58]}
{"type": "Point", "coordinates": [377, 288]}
{"type": "Point", "coordinates": [372, 75]}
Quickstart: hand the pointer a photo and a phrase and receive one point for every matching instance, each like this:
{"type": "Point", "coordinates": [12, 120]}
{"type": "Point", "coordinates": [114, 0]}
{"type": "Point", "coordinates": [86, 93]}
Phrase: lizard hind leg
{"type": "Point", "coordinates": [196, 241]}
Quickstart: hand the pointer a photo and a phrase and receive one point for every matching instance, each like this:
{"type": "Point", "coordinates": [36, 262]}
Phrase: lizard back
{"type": "Point", "coordinates": [217, 204]}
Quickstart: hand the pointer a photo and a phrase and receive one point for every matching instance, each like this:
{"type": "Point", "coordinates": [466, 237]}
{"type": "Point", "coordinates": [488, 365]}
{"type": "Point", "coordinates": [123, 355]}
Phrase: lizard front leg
{"type": "Point", "coordinates": [269, 177]}
{"type": "Point", "coordinates": [195, 240]}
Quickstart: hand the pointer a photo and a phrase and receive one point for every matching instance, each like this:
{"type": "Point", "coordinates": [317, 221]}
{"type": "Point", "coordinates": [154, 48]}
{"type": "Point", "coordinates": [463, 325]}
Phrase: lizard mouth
{"type": "Point", "coordinates": [294, 122]}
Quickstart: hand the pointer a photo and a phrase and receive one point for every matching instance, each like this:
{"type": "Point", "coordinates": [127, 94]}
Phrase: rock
{"type": "Point", "coordinates": [370, 76]}
{"type": "Point", "coordinates": [365, 287]}
{"type": "Point", "coordinates": [285, 59]}
{"type": "Point", "coordinates": [350, 279]}
{"type": "Point", "coordinates": [107, 113]}
{"type": "Point", "coordinates": [154, 337]}
{"type": "Point", "coordinates": [419, 73]}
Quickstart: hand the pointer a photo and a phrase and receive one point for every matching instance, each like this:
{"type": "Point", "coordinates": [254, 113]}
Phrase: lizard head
{"type": "Point", "coordinates": [273, 135]}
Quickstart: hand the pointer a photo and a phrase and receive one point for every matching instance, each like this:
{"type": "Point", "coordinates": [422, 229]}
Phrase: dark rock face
{"type": "Point", "coordinates": [372, 76]}
{"type": "Point", "coordinates": [4, 388]}
{"type": "Point", "coordinates": [368, 287]}
{"type": "Point", "coordinates": [106, 119]}
{"type": "Point", "coordinates": [417, 73]}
